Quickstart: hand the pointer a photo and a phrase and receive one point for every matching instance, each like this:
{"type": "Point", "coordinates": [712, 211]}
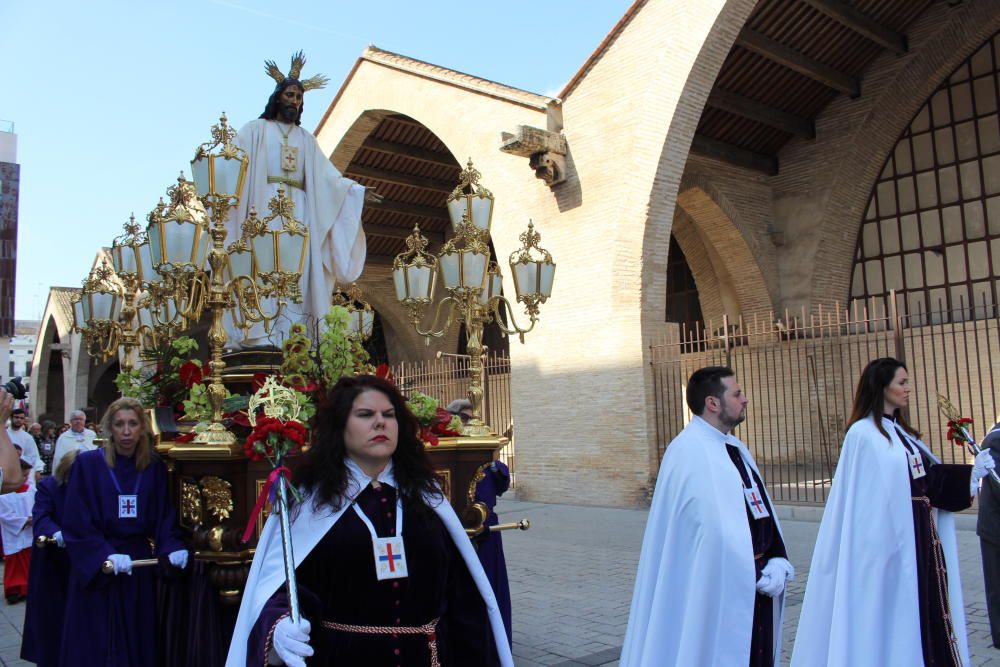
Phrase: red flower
{"type": "Point", "coordinates": [272, 437]}
{"type": "Point", "coordinates": [428, 436]}
{"type": "Point", "coordinates": [185, 437]}
{"type": "Point", "coordinates": [190, 373]}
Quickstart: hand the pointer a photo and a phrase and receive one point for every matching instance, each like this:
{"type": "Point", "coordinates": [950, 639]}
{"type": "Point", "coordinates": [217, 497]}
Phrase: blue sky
{"type": "Point", "coordinates": [110, 99]}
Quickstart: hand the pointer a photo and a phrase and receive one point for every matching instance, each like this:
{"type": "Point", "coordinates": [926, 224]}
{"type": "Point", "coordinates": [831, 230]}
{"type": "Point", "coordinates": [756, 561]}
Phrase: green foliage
{"type": "Point", "coordinates": [339, 353]}
{"type": "Point", "coordinates": [134, 383]}
{"type": "Point", "coordinates": [423, 407]}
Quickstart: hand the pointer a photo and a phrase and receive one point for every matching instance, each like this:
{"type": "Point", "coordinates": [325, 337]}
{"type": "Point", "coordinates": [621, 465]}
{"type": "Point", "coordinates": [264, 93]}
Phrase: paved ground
{"type": "Point", "coordinates": [572, 575]}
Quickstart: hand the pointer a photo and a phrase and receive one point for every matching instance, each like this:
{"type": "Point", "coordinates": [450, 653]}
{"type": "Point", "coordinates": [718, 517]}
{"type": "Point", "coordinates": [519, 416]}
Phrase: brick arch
{"type": "Point", "coordinates": [872, 141]}
{"type": "Point", "coordinates": [350, 143]}
{"type": "Point", "coordinates": [683, 109]}
{"type": "Point", "coordinates": [717, 230]}
{"type": "Point", "coordinates": [705, 277]}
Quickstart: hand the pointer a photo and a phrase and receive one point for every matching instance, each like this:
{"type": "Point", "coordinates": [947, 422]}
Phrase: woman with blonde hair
{"type": "Point", "coordinates": [121, 508]}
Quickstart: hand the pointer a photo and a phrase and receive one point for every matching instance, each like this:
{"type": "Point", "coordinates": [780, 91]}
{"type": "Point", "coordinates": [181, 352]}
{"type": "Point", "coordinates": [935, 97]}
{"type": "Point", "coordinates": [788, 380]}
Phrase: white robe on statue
{"type": "Point", "coordinates": [267, 572]}
{"type": "Point", "coordinates": [329, 205]}
{"type": "Point", "coordinates": [696, 585]}
{"type": "Point", "coordinates": [861, 603]}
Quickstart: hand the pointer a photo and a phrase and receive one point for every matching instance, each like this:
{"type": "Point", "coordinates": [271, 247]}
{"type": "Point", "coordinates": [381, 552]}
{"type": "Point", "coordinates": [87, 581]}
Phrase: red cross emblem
{"type": "Point", "coordinates": [129, 506]}
{"type": "Point", "coordinates": [391, 557]}
{"type": "Point", "coordinates": [757, 505]}
{"type": "Point", "coordinates": [918, 464]}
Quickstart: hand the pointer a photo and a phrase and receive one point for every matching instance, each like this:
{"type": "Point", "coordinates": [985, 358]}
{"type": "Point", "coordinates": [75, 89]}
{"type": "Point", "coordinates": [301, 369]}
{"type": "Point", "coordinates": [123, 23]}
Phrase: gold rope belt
{"type": "Point", "coordinates": [942, 582]}
{"type": "Point", "coordinates": [428, 629]}
{"type": "Point", "coordinates": [291, 182]}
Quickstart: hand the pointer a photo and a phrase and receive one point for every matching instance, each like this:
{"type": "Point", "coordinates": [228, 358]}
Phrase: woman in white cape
{"type": "Point", "coordinates": [386, 574]}
{"type": "Point", "coordinates": [884, 585]}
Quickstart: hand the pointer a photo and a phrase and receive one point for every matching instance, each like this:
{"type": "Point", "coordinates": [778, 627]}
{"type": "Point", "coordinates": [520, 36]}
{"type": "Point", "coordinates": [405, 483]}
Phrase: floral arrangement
{"type": "Point", "coordinates": [273, 439]}
{"type": "Point", "coordinates": [435, 422]}
{"type": "Point", "coordinates": [168, 378]}
{"type": "Point", "coordinates": [276, 434]}
{"type": "Point", "coordinates": [958, 429]}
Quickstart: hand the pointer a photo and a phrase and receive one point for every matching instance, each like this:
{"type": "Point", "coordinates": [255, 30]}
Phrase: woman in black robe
{"type": "Point", "coordinates": [365, 464]}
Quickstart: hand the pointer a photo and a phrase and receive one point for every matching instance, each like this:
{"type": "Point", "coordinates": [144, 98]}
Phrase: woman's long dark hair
{"type": "Point", "coordinates": [869, 399]}
{"type": "Point", "coordinates": [323, 469]}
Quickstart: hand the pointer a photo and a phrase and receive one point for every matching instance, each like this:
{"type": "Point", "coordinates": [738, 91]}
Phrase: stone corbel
{"type": "Point", "coordinates": [545, 150]}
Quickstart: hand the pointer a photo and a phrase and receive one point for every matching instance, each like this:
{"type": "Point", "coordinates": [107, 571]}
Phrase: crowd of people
{"type": "Point", "coordinates": [75, 568]}
{"type": "Point", "coordinates": [386, 574]}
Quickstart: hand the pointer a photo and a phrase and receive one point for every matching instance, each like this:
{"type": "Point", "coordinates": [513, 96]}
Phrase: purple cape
{"type": "Point", "coordinates": [113, 616]}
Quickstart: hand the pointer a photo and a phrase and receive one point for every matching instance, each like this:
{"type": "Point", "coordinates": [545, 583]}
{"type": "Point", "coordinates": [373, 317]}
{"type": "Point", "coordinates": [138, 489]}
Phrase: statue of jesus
{"type": "Point", "coordinates": [283, 154]}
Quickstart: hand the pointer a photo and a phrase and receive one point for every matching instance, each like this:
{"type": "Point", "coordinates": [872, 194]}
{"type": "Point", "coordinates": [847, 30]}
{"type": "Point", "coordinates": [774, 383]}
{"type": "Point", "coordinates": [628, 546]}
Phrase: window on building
{"type": "Point", "coordinates": [932, 228]}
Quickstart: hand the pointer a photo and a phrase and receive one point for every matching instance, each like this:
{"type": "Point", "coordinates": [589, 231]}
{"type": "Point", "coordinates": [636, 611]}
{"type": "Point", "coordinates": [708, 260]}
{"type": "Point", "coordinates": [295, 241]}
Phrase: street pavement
{"type": "Point", "coordinates": [572, 573]}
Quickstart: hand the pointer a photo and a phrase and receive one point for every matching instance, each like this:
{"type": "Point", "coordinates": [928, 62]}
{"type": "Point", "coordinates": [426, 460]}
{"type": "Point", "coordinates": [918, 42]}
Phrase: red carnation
{"type": "Point", "coordinates": [190, 373]}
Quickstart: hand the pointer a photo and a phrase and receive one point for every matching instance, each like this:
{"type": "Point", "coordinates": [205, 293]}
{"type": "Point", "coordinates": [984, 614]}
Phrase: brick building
{"type": "Point", "coordinates": [719, 158]}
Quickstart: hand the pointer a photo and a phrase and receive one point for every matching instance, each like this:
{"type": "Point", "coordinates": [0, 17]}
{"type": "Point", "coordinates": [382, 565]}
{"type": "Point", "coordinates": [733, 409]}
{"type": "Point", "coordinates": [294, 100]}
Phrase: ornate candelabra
{"type": "Point", "coordinates": [471, 280]}
{"type": "Point", "coordinates": [261, 269]}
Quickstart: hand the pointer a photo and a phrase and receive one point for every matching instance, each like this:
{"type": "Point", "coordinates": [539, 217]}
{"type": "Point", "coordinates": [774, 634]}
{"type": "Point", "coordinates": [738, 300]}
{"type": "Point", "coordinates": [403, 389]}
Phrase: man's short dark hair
{"type": "Point", "coordinates": [17, 411]}
{"type": "Point", "coordinates": [706, 382]}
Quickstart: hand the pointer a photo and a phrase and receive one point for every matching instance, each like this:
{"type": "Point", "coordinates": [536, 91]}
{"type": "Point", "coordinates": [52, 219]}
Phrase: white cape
{"type": "Point", "coordinates": [267, 572]}
{"type": "Point", "coordinates": [860, 605]}
{"type": "Point", "coordinates": [330, 206]}
{"type": "Point", "coordinates": [696, 585]}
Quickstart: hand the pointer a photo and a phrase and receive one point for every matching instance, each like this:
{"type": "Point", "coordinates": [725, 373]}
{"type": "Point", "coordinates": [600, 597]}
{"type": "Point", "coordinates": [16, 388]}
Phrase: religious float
{"type": "Point", "coordinates": [162, 280]}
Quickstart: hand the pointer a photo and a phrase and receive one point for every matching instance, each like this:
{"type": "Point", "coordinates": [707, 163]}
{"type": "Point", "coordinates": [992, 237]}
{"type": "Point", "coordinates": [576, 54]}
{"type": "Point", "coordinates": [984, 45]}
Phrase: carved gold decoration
{"type": "Point", "coordinates": [298, 62]}
{"type": "Point", "coordinates": [445, 476]}
{"type": "Point", "coordinates": [215, 538]}
{"type": "Point", "coordinates": [191, 510]}
{"type": "Point", "coordinates": [218, 497]}
{"type": "Point", "coordinates": [264, 513]}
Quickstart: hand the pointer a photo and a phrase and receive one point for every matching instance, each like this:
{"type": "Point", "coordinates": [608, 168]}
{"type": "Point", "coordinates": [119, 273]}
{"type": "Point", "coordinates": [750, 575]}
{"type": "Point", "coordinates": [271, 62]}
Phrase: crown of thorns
{"type": "Point", "coordinates": [298, 61]}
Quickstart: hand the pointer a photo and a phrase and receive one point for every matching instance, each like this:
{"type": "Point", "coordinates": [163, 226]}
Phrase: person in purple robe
{"type": "Point", "coordinates": [489, 544]}
{"type": "Point", "coordinates": [49, 571]}
{"type": "Point", "coordinates": [385, 573]}
{"type": "Point", "coordinates": [121, 508]}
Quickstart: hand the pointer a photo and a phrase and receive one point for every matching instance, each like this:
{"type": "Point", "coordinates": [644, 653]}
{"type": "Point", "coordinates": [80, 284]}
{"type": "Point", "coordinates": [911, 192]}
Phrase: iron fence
{"type": "Point", "coordinates": [446, 378]}
{"type": "Point", "coordinates": [800, 372]}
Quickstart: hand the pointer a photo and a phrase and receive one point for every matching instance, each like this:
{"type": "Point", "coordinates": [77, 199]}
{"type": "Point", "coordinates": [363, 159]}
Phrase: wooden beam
{"type": "Point", "coordinates": [400, 179]}
{"type": "Point", "coordinates": [866, 27]}
{"type": "Point", "coordinates": [389, 231]}
{"type": "Point", "coordinates": [798, 62]}
{"type": "Point", "coordinates": [422, 154]}
{"type": "Point", "coordinates": [761, 113]}
{"type": "Point", "coordinates": [741, 157]}
{"type": "Point", "coordinates": [406, 208]}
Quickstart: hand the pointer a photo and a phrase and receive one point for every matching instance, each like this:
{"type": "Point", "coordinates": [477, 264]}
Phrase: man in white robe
{"type": "Point", "coordinates": [78, 437]}
{"type": "Point", "coordinates": [284, 155]}
{"type": "Point", "coordinates": [696, 592]}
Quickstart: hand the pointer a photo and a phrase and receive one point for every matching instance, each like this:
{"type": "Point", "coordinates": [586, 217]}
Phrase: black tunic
{"type": "Point", "coordinates": [946, 487]}
{"type": "Point", "coordinates": [337, 583]}
{"type": "Point", "coordinates": [767, 544]}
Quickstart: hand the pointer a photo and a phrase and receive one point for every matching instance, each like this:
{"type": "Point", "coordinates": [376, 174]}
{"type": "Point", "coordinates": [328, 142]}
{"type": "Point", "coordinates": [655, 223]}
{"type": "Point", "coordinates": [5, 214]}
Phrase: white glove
{"type": "Point", "coordinates": [122, 563]}
{"type": "Point", "coordinates": [981, 467]}
{"type": "Point", "coordinates": [291, 642]}
{"type": "Point", "coordinates": [774, 576]}
{"type": "Point", "coordinates": [57, 536]}
{"type": "Point", "coordinates": [179, 558]}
